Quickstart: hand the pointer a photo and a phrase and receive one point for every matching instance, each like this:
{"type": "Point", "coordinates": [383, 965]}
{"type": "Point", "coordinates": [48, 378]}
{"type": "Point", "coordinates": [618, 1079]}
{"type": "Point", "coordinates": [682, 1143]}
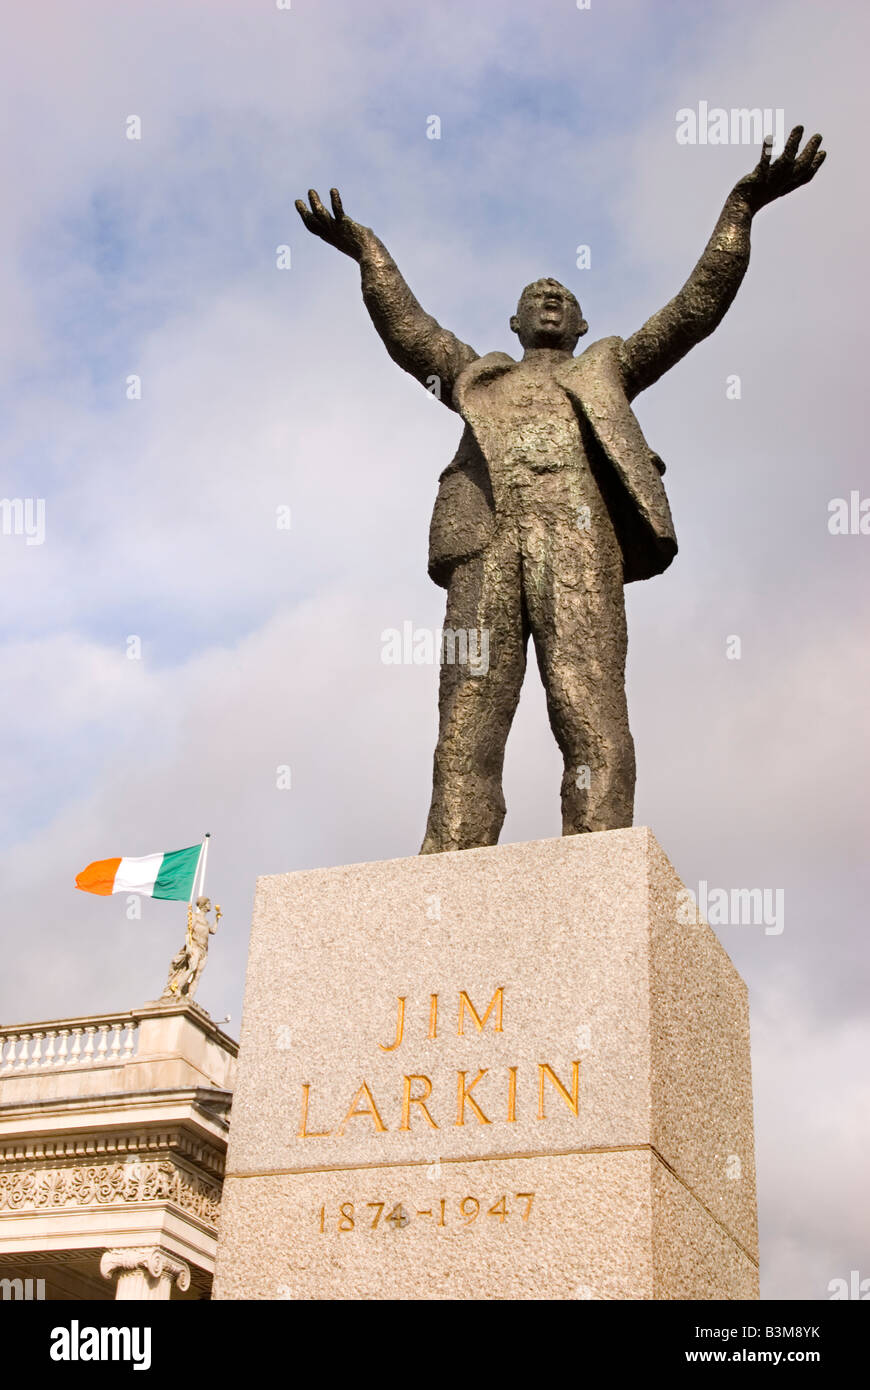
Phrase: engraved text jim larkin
{"type": "Point", "coordinates": [487, 1097]}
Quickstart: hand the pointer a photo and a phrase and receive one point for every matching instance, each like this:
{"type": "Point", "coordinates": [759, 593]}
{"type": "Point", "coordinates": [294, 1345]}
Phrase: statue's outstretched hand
{"type": "Point", "coordinates": [769, 181]}
{"type": "Point", "coordinates": [336, 229]}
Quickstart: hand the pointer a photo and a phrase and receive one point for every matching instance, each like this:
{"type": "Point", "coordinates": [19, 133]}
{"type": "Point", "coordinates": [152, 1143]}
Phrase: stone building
{"type": "Point", "coordinates": [113, 1134]}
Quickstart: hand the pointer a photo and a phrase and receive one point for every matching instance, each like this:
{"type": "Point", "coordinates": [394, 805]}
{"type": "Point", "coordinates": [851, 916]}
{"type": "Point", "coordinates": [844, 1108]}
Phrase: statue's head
{"type": "Point", "coordinates": [203, 904]}
{"type": "Point", "coordinates": [548, 315]}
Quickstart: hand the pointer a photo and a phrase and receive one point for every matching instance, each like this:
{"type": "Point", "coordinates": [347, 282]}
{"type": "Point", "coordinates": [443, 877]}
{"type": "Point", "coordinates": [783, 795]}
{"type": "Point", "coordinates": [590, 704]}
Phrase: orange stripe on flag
{"type": "Point", "coordinates": [99, 877]}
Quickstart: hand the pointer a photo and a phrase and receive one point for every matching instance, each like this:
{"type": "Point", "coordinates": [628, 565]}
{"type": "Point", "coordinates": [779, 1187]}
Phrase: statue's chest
{"type": "Point", "coordinates": [530, 425]}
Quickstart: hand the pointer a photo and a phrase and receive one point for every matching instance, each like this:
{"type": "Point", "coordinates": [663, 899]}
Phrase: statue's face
{"type": "Point", "coordinates": [548, 315]}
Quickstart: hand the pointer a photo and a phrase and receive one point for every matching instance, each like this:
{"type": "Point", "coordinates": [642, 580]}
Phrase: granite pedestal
{"type": "Point", "coordinates": [510, 1072]}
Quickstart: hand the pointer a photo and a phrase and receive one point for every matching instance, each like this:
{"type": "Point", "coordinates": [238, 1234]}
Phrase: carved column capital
{"type": "Point", "coordinates": [144, 1272]}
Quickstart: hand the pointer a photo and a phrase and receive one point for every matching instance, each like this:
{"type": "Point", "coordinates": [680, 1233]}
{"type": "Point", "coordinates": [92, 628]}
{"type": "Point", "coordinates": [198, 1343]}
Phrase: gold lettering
{"type": "Point", "coordinates": [304, 1131]}
{"type": "Point", "coordinates": [512, 1094]}
{"type": "Point", "coordinates": [497, 1002]}
{"type": "Point", "coordinates": [371, 1109]}
{"type": "Point", "coordinates": [463, 1095]}
{"type": "Point", "coordinates": [408, 1100]}
{"type": "Point", "coordinates": [433, 1016]}
{"type": "Point", "coordinates": [400, 1029]}
{"type": "Point", "coordinates": [572, 1100]}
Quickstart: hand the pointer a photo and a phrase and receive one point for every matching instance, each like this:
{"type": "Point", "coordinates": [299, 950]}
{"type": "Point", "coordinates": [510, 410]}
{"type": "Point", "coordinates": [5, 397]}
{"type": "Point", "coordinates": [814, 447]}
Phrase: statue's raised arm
{"type": "Point", "coordinates": [710, 289]}
{"type": "Point", "coordinates": [414, 340]}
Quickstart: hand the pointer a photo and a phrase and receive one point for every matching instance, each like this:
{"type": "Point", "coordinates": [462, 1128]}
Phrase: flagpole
{"type": "Point", "coordinates": [199, 876]}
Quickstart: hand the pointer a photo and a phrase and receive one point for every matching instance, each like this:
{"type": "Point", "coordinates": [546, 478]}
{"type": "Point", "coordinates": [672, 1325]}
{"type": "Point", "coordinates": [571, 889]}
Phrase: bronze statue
{"type": "Point", "coordinates": [188, 964]}
{"type": "Point", "coordinates": [553, 501]}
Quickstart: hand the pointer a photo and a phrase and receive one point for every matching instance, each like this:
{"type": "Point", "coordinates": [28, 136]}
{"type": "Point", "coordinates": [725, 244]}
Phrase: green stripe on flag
{"type": "Point", "coordinates": [175, 879]}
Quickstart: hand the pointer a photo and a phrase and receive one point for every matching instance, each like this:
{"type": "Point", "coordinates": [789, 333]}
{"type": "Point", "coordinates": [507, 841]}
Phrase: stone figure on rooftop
{"type": "Point", "coordinates": [188, 964]}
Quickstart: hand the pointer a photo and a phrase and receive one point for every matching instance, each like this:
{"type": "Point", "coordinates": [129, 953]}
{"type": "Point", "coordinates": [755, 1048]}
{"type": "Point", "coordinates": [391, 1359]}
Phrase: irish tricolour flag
{"type": "Point", "coordinates": [169, 875]}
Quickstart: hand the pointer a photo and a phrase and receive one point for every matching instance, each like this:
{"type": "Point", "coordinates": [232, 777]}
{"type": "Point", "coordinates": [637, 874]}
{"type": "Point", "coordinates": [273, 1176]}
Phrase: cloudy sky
{"type": "Point", "coordinates": [264, 388]}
